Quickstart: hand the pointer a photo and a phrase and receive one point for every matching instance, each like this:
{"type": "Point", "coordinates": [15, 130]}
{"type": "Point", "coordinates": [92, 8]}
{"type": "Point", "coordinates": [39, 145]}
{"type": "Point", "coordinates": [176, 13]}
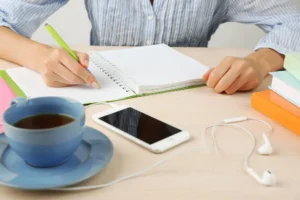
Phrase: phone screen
{"type": "Point", "coordinates": [140, 125]}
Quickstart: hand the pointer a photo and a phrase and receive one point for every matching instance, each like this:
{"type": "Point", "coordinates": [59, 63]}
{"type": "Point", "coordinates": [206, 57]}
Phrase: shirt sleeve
{"type": "Point", "coordinates": [25, 16]}
{"type": "Point", "coordinates": [280, 19]}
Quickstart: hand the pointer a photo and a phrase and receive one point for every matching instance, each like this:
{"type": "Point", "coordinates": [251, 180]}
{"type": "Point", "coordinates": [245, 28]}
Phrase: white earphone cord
{"type": "Point", "coordinates": [159, 162]}
{"type": "Point", "coordinates": [246, 162]}
{"type": "Point", "coordinates": [122, 178]}
{"type": "Point", "coordinates": [267, 124]}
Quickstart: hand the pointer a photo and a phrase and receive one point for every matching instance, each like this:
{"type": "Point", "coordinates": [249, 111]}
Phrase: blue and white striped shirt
{"type": "Point", "coordinates": [173, 22]}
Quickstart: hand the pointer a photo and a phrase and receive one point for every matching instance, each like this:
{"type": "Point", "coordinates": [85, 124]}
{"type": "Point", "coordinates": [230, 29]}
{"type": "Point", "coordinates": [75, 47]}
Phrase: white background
{"type": "Point", "coordinates": [72, 23]}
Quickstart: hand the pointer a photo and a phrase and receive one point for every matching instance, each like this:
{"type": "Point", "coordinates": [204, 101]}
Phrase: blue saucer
{"type": "Point", "coordinates": [94, 153]}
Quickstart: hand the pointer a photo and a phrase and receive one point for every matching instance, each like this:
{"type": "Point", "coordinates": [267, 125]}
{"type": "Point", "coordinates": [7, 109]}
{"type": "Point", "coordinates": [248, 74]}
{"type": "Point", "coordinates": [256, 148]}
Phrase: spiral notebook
{"type": "Point", "coordinates": [122, 74]}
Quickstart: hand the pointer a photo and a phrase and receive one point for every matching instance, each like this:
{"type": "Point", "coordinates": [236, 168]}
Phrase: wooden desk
{"type": "Point", "coordinates": [198, 174]}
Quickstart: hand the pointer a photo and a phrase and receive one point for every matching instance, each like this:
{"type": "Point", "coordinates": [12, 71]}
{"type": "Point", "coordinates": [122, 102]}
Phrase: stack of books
{"type": "Point", "coordinates": [281, 102]}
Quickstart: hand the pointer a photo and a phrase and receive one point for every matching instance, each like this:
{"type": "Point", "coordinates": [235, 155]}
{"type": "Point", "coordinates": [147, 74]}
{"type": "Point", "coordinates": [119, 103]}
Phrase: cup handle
{"type": "Point", "coordinates": [17, 100]}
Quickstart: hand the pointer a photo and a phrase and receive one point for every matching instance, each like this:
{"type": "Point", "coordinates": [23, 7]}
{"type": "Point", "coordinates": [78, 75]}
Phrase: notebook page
{"type": "Point", "coordinates": [32, 84]}
{"type": "Point", "coordinates": [156, 65]}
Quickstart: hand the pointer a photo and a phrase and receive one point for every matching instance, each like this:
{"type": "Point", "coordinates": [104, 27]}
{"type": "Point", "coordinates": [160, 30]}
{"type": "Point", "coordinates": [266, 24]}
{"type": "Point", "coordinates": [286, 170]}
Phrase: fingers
{"type": "Point", "coordinates": [54, 71]}
{"type": "Point", "coordinates": [83, 59]}
{"type": "Point", "coordinates": [226, 80]}
{"type": "Point", "coordinates": [53, 80]}
{"type": "Point", "coordinates": [237, 84]}
{"type": "Point", "coordinates": [250, 85]}
{"type": "Point", "coordinates": [206, 75]}
{"type": "Point", "coordinates": [73, 66]}
{"type": "Point", "coordinates": [52, 77]}
{"type": "Point", "coordinates": [56, 84]}
{"type": "Point", "coordinates": [67, 60]}
{"type": "Point", "coordinates": [67, 75]}
{"type": "Point", "coordinates": [253, 79]}
{"type": "Point", "coordinates": [219, 71]}
{"type": "Point", "coordinates": [234, 74]}
{"type": "Point", "coordinates": [239, 68]}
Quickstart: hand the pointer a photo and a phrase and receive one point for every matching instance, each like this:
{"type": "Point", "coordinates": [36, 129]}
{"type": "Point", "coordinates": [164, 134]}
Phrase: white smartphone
{"type": "Point", "coordinates": [142, 129]}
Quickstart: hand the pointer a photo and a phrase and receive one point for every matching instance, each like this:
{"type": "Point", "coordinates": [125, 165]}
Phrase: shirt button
{"type": "Point", "coordinates": [149, 42]}
{"type": "Point", "coordinates": [150, 17]}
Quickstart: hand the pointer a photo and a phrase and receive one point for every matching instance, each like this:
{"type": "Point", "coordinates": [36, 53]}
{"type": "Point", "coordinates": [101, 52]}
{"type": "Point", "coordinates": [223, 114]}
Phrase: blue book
{"type": "Point", "coordinates": [287, 86]}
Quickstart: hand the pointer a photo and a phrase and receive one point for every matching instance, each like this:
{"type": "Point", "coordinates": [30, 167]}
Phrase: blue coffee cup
{"type": "Point", "coordinates": [44, 147]}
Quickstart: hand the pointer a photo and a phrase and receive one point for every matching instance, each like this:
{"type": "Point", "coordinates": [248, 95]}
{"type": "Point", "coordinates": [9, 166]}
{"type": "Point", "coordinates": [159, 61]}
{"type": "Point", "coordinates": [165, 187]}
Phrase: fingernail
{"type": "Point", "coordinates": [95, 85]}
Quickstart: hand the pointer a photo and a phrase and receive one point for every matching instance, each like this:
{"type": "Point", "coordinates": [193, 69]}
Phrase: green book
{"type": "Point", "coordinates": [292, 64]}
{"type": "Point", "coordinates": [122, 74]}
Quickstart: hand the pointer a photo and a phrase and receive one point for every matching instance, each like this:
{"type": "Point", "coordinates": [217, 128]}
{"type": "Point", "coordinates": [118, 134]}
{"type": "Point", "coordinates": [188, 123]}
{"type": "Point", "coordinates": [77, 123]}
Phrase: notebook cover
{"type": "Point", "coordinates": [278, 109]}
{"type": "Point", "coordinates": [16, 89]}
{"type": "Point", "coordinates": [7, 95]}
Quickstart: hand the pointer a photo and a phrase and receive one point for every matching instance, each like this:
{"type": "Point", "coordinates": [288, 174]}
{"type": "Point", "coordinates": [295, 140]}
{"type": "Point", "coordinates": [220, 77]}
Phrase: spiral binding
{"type": "Point", "coordinates": [114, 77]}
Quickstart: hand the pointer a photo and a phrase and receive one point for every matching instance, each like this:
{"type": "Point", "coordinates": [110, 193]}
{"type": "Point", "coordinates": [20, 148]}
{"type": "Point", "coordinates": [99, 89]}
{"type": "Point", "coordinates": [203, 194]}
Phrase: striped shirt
{"type": "Point", "coordinates": [173, 22]}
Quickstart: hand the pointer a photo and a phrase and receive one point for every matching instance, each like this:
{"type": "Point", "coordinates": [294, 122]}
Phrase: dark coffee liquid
{"type": "Point", "coordinates": [43, 121]}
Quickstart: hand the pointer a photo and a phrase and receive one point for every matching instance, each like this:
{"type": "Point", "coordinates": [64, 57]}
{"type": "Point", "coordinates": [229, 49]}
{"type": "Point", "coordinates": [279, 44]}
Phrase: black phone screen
{"type": "Point", "coordinates": [140, 125]}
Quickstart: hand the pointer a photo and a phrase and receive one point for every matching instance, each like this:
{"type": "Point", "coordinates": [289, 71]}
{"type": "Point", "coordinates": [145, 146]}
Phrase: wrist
{"type": "Point", "coordinates": [267, 60]}
{"type": "Point", "coordinates": [40, 54]}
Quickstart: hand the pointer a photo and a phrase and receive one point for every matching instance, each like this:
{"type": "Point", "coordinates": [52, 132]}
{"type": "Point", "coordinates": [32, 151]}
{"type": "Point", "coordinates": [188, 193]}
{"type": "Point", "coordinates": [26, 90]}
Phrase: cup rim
{"type": "Point", "coordinates": [5, 123]}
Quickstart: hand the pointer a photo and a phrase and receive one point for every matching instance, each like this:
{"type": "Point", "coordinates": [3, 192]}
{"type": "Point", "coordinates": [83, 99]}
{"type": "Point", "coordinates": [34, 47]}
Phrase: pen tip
{"type": "Point", "coordinates": [46, 24]}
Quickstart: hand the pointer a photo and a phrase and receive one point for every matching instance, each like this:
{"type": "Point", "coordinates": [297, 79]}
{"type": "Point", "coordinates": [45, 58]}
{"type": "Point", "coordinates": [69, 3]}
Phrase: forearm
{"type": "Point", "coordinates": [21, 50]}
{"type": "Point", "coordinates": [268, 60]}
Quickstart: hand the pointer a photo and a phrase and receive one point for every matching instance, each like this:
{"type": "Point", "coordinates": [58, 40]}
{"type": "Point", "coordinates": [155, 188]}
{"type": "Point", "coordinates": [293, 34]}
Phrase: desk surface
{"type": "Point", "coordinates": [197, 174]}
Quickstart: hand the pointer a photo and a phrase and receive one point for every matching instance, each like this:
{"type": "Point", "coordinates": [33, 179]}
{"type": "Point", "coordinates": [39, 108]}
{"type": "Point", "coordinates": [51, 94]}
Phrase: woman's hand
{"type": "Point", "coordinates": [235, 74]}
{"type": "Point", "coordinates": [242, 74]}
{"type": "Point", "coordinates": [60, 69]}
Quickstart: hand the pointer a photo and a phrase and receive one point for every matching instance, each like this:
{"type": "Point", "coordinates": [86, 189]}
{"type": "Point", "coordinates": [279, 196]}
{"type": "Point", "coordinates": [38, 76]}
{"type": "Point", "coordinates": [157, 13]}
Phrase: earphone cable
{"type": "Point", "coordinates": [246, 161]}
{"type": "Point", "coordinates": [266, 123]}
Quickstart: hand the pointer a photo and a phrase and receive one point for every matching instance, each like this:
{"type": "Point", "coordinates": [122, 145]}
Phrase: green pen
{"type": "Point", "coordinates": [62, 43]}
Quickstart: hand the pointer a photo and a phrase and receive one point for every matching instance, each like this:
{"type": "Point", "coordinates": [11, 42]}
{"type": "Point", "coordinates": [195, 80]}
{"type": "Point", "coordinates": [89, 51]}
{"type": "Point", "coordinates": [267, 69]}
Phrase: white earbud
{"type": "Point", "coordinates": [266, 149]}
{"type": "Point", "coordinates": [267, 179]}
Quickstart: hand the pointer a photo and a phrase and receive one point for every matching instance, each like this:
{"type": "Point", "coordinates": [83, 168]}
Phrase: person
{"type": "Point", "coordinates": [185, 23]}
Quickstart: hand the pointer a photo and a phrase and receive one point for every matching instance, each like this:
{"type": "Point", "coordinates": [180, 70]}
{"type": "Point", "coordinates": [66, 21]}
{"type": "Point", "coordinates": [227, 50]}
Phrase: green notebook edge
{"type": "Point", "coordinates": [292, 64]}
{"type": "Point", "coordinates": [20, 93]}
{"type": "Point", "coordinates": [150, 94]}
{"type": "Point", "coordinates": [157, 93]}
{"type": "Point", "coordinates": [16, 89]}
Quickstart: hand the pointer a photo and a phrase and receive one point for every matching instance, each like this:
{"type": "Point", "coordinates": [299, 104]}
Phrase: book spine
{"type": "Point", "coordinates": [279, 113]}
{"type": "Point", "coordinates": [291, 64]}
